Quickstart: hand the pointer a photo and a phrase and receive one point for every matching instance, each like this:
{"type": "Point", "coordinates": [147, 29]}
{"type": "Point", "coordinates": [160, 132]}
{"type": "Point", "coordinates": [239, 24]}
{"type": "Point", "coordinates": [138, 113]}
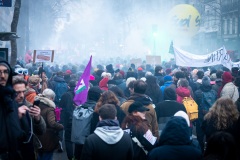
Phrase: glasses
{"type": "Point", "coordinates": [5, 72]}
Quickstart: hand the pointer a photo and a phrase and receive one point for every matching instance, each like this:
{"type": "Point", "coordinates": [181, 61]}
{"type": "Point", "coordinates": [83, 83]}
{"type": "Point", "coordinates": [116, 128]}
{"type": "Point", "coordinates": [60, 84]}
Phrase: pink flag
{"type": "Point", "coordinates": [81, 89]}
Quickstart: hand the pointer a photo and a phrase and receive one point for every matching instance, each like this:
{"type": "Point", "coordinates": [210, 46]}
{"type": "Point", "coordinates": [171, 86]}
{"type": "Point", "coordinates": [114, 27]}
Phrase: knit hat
{"type": "Point", "coordinates": [170, 94]}
{"type": "Point", "coordinates": [227, 77]}
{"type": "Point", "coordinates": [167, 78]}
{"type": "Point", "coordinates": [137, 106]}
{"type": "Point", "coordinates": [183, 115]}
{"type": "Point", "coordinates": [140, 69]}
{"type": "Point", "coordinates": [34, 80]}
{"type": "Point", "coordinates": [68, 71]}
{"type": "Point", "coordinates": [5, 65]}
{"type": "Point", "coordinates": [206, 81]}
{"type": "Point", "coordinates": [94, 93]}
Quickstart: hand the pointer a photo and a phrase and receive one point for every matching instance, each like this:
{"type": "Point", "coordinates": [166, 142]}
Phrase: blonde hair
{"type": "Point", "coordinates": [223, 112]}
{"type": "Point", "coordinates": [48, 93]}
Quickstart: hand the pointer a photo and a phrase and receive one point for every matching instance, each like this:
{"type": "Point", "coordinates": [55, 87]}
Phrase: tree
{"type": "Point", "coordinates": [14, 25]}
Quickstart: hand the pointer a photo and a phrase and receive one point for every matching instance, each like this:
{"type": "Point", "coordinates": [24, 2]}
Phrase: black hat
{"type": "Point", "coordinates": [137, 106]}
{"type": "Point", "coordinates": [170, 94]}
{"type": "Point", "coordinates": [94, 93]}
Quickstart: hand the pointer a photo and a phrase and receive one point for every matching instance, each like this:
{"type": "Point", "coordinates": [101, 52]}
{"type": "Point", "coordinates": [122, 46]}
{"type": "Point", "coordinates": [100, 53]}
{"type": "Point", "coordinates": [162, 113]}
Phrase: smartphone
{"type": "Point", "coordinates": [36, 102]}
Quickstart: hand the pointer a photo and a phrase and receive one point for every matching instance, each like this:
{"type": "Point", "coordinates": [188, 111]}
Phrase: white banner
{"type": "Point", "coordinates": [217, 57]}
{"type": "Point", "coordinates": [236, 64]}
{"type": "Point", "coordinates": [43, 56]}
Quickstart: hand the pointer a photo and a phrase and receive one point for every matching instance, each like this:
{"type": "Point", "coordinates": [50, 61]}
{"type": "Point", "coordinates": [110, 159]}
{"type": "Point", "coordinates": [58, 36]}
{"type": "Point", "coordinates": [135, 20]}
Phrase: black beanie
{"type": "Point", "coordinates": [206, 81]}
{"type": "Point", "coordinates": [94, 93]}
{"type": "Point", "coordinates": [170, 94]}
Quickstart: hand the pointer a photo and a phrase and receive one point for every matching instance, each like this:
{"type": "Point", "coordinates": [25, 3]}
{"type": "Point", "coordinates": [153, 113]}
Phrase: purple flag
{"type": "Point", "coordinates": [81, 89]}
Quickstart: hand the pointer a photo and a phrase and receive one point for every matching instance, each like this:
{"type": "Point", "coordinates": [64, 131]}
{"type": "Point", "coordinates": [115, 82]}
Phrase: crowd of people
{"type": "Point", "coordinates": [137, 112]}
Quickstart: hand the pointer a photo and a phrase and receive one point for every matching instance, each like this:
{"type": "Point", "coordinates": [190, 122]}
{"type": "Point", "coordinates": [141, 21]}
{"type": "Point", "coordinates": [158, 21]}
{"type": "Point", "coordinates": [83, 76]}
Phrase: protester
{"type": "Point", "coordinates": [205, 97]}
{"type": "Point", "coordinates": [30, 119]}
{"type": "Point", "coordinates": [168, 81]}
{"type": "Point", "coordinates": [119, 93]}
{"type": "Point", "coordinates": [153, 90]}
{"type": "Point", "coordinates": [222, 116]}
{"type": "Point", "coordinates": [175, 142]}
{"type": "Point", "coordinates": [10, 126]}
{"type": "Point", "coordinates": [159, 74]}
{"type": "Point", "coordinates": [67, 106]}
{"type": "Point", "coordinates": [221, 145]}
{"type": "Point", "coordinates": [129, 84]}
{"type": "Point", "coordinates": [32, 88]}
{"type": "Point", "coordinates": [228, 89]}
{"type": "Point", "coordinates": [139, 95]}
{"type": "Point", "coordinates": [136, 125]}
{"type": "Point", "coordinates": [94, 93]}
{"type": "Point", "coordinates": [49, 139]}
{"type": "Point", "coordinates": [218, 81]}
{"type": "Point", "coordinates": [198, 83]}
{"type": "Point", "coordinates": [107, 97]}
{"type": "Point", "coordinates": [166, 109]}
{"type": "Point", "coordinates": [182, 90]}
{"type": "Point", "coordinates": [108, 141]}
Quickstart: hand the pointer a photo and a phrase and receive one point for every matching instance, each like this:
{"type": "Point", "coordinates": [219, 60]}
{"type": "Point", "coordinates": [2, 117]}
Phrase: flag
{"type": "Point", "coordinates": [81, 89]}
{"type": "Point", "coordinates": [171, 49]}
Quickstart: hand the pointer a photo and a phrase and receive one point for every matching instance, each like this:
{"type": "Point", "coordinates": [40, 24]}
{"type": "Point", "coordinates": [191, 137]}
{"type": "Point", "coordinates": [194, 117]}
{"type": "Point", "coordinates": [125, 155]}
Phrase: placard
{"type": "Point", "coordinates": [43, 56]}
{"type": "Point", "coordinates": [154, 60]}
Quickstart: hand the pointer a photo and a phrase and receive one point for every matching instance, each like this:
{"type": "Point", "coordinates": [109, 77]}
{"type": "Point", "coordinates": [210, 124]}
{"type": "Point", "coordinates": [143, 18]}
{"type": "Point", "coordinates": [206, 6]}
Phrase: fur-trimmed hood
{"type": "Point", "coordinates": [46, 101]}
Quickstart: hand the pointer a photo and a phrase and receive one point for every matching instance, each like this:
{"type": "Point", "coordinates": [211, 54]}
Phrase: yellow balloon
{"type": "Point", "coordinates": [184, 20]}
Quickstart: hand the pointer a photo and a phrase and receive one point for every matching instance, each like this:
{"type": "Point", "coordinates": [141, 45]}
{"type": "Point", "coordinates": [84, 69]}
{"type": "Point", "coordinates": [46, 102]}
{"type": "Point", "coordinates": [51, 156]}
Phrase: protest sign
{"type": "Point", "coordinates": [43, 56]}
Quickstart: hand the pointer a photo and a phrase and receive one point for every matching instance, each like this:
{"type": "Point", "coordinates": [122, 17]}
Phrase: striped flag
{"type": "Point", "coordinates": [81, 89]}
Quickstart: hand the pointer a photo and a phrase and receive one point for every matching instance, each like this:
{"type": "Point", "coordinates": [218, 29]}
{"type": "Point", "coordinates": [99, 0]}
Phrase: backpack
{"type": "Point", "coordinates": [191, 107]}
{"type": "Point", "coordinates": [58, 113]}
{"type": "Point", "coordinates": [60, 88]}
{"type": "Point", "coordinates": [208, 99]}
{"type": "Point", "coordinates": [81, 124]}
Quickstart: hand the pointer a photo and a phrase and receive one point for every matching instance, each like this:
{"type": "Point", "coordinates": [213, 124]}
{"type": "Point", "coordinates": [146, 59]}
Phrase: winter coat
{"type": "Point", "coordinates": [230, 91]}
{"type": "Point", "coordinates": [181, 93]}
{"type": "Point", "coordinates": [121, 83]}
{"type": "Point", "coordinates": [67, 105]}
{"type": "Point", "coordinates": [175, 142]}
{"type": "Point", "coordinates": [209, 128]}
{"type": "Point", "coordinates": [95, 118]}
{"type": "Point", "coordinates": [108, 141]}
{"type": "Point", "coordinates": [50, 138]}
{"type": "Point", "coordinates": [166, 84]}
{"type": "Point", "coordinates": [165, 110]}
{"type": "Point", "coordinates": [150, 115]}
{"type": "Point", "coordinates": [11, 132]}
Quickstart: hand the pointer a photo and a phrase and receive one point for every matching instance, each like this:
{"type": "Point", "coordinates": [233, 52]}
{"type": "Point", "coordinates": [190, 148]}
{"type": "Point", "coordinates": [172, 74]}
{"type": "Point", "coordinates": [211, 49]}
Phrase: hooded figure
{"type": "Point", "coordinates": [103, 84]}
{"type": "Point", "coordinates": [166, 109]}
{"type": "Point", "coordinates": [228, 89]}
{"type": "Point", "coordinates": [11, 131]}
{"type": "Point", "coordinates": [175, 142]}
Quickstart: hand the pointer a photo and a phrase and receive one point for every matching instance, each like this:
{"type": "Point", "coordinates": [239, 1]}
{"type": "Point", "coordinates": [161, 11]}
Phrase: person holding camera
{"type": "Point", "coordinates": [31, 120]}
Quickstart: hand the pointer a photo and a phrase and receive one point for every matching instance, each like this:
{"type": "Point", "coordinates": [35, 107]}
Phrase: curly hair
{"type": "Point", "coordinates": [223, 112]}
{"type": "Point", "coordinates": [107, 97]}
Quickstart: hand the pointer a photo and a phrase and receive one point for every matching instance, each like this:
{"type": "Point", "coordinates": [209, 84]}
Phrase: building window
{"type": "Point", "coordinates": [230, 26]}
{"type": "Point", "coordinates": [233, 25]}
{"type": "Point", "coordinates": [236, 25]}
{"type": "Point", "coordinates": [224, 26]}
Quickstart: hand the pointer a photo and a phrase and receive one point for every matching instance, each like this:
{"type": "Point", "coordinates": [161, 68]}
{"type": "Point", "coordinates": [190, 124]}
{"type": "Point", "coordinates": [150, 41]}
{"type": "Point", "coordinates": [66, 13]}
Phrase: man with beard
{"type": "Point", "coordinates": [11, 131]}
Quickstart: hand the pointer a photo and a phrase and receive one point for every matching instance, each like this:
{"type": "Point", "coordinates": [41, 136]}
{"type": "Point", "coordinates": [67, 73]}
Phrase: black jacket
{"type": "Point", "coordinates": [107, 143]}
{"type": "Point", "coordinates": [11, 132]}
{"type": "Point", "coordinates": [165, 110]}
{"type": "Point", "coordinates": [175, 143]}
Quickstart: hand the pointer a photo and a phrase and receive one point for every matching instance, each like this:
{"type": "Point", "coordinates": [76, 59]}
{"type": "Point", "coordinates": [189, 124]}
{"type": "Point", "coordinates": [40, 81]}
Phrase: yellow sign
{"type": "Point", "coordinates": [184, 20]}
